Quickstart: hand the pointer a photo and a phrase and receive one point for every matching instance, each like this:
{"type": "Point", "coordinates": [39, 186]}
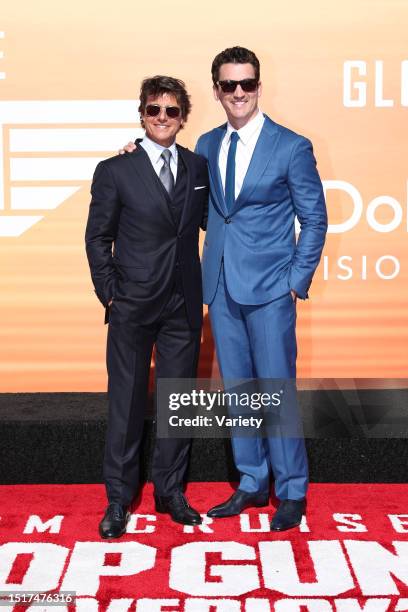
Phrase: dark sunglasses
{"type": "Point", "coordinates": [152, 110]}
{"type": "Point", "coordinates": [248, 85]}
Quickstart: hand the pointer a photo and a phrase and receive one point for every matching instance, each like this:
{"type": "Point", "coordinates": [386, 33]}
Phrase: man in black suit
{"type": "Point", "coordinates": [142, 242]}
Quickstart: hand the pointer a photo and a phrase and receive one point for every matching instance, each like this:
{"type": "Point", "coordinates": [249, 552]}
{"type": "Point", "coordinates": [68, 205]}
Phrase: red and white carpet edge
{"type": "Point", "coordinates": [349, 554]}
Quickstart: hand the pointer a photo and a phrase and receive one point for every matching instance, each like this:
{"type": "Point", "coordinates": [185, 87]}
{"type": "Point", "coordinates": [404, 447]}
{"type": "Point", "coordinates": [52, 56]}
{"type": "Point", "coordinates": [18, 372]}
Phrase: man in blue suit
{"type": "Point", "coordinates": [262, 176]}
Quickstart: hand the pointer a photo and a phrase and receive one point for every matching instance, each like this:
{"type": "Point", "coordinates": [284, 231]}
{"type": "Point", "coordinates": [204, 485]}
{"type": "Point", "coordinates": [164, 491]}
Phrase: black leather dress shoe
{"type": "Point", "coordinates": [289, 514]}
{"type": "Point", "coordinates": [178, 507]}
{"type": "Point", "coordinates": [237, 503]}
{"type": "Point", "coordinates": [113, 524]}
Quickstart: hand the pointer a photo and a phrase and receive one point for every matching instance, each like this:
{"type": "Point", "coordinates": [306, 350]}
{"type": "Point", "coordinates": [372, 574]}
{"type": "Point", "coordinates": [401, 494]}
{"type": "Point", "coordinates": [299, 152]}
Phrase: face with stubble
{"type": "Point", "coordinates": [240, 106]}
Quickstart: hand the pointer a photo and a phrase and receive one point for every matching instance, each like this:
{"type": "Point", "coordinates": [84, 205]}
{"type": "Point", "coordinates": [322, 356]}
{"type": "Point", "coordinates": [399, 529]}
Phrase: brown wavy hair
{"type": "Point", "coordinates": [234, 55]}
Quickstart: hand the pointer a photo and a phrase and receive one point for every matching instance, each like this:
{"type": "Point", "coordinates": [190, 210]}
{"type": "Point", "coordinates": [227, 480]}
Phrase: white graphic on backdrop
{"type": "Point", "coordinates": [363, 84]}
{"type": "Point", "coordinates": [2, 74]}
{"type": "Point", "coordinates": [49, 150]}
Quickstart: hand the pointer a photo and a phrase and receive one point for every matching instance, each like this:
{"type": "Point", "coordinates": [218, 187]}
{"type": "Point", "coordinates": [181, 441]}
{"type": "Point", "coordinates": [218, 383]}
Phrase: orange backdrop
{"type": "Point", "coordinates": [69, 79]}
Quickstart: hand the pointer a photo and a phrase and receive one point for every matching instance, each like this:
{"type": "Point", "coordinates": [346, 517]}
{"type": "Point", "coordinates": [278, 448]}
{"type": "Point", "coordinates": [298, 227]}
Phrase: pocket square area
{"type": "Point", "coordinates": [201, 187]}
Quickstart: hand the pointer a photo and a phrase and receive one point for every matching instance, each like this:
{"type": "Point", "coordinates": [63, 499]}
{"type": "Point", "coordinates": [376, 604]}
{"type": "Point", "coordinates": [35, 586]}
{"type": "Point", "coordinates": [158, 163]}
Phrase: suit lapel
{"type": "Point", "coordinates": [151, 181]}
{"type": "Point", "coordinates": [188, 199]}
{"type": "Point", "coordinates": [213, 155]}
{"type": "Point", "coordinates": [264, 150]}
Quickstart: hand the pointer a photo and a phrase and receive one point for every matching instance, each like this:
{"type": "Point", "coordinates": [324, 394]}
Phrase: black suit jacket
{"type": "Point", "coordinates": [133, 243]}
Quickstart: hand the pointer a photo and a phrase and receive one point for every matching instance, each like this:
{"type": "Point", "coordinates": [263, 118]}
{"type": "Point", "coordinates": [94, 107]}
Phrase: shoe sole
{"type": "Point", "coordinates": [262, 504]}
{"type": "Point", "coordinates": [160, 510]}
{"type": "Point", "coordinates": [287, 528]}
{"type": "Point", "coordinates": [109, 537]}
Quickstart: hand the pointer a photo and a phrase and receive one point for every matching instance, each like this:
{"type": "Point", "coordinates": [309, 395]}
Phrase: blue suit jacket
{"type": "Point", "coordinates": [262, 260]}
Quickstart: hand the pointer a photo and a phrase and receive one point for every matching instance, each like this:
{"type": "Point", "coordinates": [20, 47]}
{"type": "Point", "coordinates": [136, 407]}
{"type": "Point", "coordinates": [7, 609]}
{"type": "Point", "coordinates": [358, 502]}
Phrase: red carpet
{"type": "Point", "coordinates": [351, 555]}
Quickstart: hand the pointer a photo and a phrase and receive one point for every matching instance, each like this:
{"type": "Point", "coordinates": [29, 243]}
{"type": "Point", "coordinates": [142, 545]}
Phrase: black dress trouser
{"type": "Point", "coordinates": [129, 352]}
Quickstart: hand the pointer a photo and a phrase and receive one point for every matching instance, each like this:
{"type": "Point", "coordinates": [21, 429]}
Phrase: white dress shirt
{"type": "Point", "coordinates": [154, 152]}
{"type": "Point", "coordinates": [248, 137]}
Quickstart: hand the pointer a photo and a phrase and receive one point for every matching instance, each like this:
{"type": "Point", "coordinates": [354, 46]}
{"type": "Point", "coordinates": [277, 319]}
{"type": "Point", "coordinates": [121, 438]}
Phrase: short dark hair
{"type": "Point", "coordinates": [159, 85]}
{"type": "Point", "coordinates": [234, 55]}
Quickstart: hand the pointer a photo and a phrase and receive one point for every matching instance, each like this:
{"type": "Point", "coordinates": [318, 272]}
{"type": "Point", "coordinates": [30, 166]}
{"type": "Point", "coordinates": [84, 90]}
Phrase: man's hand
{"type": "Point", "coordinates": [129, 148]}
{"type": "Point", "coordinates": [294, 295]}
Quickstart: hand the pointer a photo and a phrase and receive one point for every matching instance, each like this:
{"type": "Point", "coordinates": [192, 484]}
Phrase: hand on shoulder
{"type": "Point", "coordinates": [128, 148]}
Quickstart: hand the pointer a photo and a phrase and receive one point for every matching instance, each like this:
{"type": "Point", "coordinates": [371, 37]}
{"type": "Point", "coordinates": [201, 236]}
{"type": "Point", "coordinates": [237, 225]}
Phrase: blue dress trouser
{"type": "Point", "coordinates": [260, 342]}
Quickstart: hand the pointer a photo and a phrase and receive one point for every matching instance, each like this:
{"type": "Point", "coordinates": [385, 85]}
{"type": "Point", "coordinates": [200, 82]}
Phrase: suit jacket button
{"type": "Point", "coordinates": [227, 220]}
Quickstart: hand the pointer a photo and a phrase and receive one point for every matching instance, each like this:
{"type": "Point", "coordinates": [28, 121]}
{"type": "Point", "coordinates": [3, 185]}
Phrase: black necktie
{"type": "Point", "coordinates": [166, 175]}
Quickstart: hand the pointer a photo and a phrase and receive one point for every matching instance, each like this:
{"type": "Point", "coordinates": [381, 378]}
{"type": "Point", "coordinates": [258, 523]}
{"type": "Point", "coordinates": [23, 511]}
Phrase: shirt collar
{"type": "Point", "coordinates": [245, 133]}
{"type": "Point", "coordinates": [155, 150]}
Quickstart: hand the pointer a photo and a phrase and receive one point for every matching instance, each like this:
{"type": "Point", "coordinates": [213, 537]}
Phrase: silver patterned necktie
{"type": "Point", "coordinates": [166, 175]}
